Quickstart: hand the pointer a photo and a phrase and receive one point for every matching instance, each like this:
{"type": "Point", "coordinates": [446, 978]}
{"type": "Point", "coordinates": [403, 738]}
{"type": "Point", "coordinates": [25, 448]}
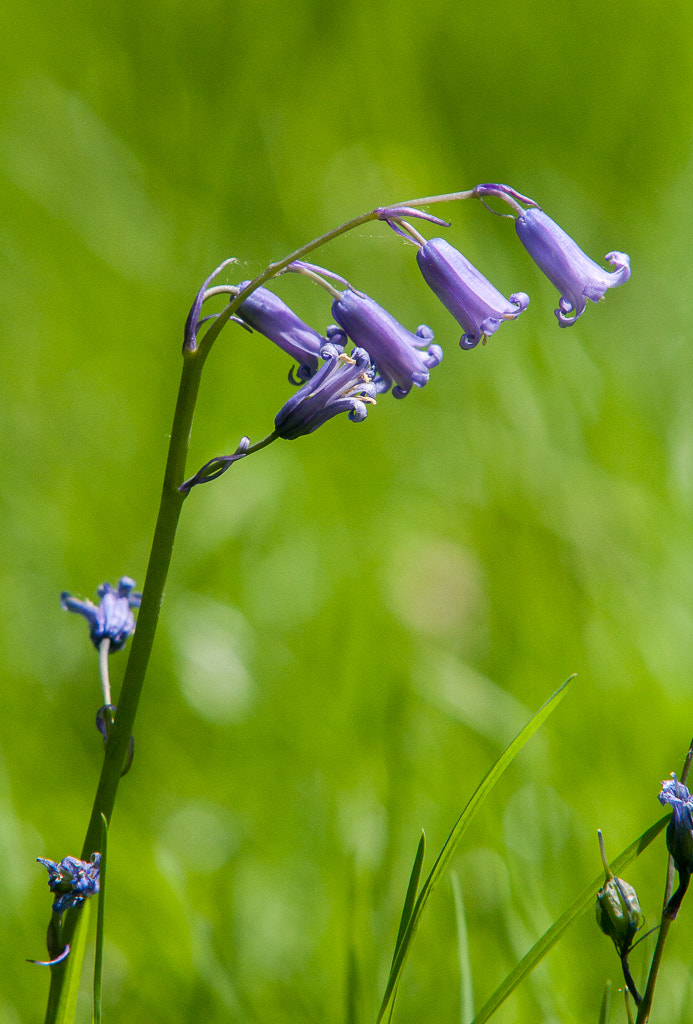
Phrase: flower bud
{"type": "Point", "coordinates": [618, 912]}
{"type": "Point", "coordinates": [618, 908]}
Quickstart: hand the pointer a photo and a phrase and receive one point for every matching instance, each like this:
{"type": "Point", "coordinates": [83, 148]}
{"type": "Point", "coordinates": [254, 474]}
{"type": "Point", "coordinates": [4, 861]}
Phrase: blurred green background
{"type": "Point", "coordinates": [355, 622]}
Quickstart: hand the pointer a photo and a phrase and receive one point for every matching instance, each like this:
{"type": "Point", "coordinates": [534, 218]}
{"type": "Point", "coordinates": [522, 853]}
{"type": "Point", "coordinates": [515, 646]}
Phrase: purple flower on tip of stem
{"type": "Point", "coordinates": [72, 879]}
{"type": "Point", "coordinates": [680, 828]}
{"type": "Point", "coordinates": [475, 303]}
{"type": "Point", "coordinates": [561, 259]}
{"type": "Point", "coordinates": [342, 384]}
{"type": "Point", "coordinates": [679, 836]}
{"type": "Point", "coordinates": [394, 350]}
{"type": "Point", "coordinates": [113, 618]}
{"type": "Point", "coordinates": [266, 313]}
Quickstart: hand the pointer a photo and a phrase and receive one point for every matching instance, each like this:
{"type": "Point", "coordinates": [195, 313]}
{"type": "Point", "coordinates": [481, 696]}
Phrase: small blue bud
{"type": "Point", "coordinates": [679, 836]}
{"type": "Point", "coordinates": [113, 618]}
{"type": "Point", "coordinates": [680, 827]}
{"type": "Point", "coordinates": [73, 880]}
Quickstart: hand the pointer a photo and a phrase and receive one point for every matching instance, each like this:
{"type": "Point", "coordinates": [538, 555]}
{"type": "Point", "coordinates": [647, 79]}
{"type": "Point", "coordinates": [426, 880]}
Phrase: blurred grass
{"type": "Point", "coordinates": [354, 621]}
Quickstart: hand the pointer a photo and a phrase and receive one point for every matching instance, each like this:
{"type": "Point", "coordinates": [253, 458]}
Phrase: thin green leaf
{"type": "Point", "coordinates": [549, 939]}
{"type": "Point", "coordinates": [412, 890]}
{"type": "Point", "coordinates": [67, 1004]}
{"type": "Point", "coordinates": [98, 955]}
{"type": "Point", "coordinates": [463, 958]}
{"type": "Point", "coordinates": [453, 840]}
{"type": "Point", "coordinates": [352, 1015]}
{"type": "Point", "coordinates": [409, 901]}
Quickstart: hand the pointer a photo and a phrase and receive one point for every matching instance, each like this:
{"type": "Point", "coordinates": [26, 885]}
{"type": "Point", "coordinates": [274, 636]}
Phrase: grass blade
{"type": "Point", "coordinates": [98, 955]}
{"type": "Point", "coordinates": [466, 985]}
{"type": "Point", "coordinates": [412, 890]}
{"type": "Point", "coordinates": [453, 840]}
{"type": "Point", "coordinates": [62, 1010]}
{"type": "Point", "coordinates": [605, 1009]}
{"type": "Point", "coordinates": [549, 939]}
{"type": "Point", "coordinates": [409, 902]}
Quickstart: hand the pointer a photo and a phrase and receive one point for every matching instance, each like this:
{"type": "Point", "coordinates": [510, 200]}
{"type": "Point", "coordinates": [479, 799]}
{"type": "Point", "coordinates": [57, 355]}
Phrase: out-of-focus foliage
{"type": "Point", "coordinates": [355, 622]}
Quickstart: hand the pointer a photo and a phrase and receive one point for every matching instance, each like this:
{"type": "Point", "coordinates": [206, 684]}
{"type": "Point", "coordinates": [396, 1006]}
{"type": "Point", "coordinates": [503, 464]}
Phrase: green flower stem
{"type": "Point", "coordinates": [277, 268]}
{"type": "Point", "coordinates": [665, 924]}
{"type": "Point", "coordinates": [104, 647]}
{"type": "Point", "coordinates": [159, 560]}
{"type": "Point", "coordinates": [98, 954]}
{"type": "Point", "coordinates": [143, 639]}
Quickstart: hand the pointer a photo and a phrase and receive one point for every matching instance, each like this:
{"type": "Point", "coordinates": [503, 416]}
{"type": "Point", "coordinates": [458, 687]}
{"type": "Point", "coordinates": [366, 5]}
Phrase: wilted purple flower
{"type": "Point", "coordinates": [576, 276]}
{"type": "Point", "coordinates": [342, 384]}
{"type": "Point", "coordinates": [475, 303]}
{"type": "Point", "coordinates": [113, 619]}
{"type": "Point", "coordinates": [679, 835]}
{"type": "Point", "coordinates": [394, 350]}
{"type": "Point", "coordinates": [72, 879]}
{"type": "Point", "coordinates": [266, 313]}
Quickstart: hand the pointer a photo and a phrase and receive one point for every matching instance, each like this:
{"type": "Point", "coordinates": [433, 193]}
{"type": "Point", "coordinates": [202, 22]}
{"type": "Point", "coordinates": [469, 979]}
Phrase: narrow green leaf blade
{"type": "Point", "coordinates": [549, 939]}
{"type": "Point", "coordinates": [100, 915]}
{"type": "Point", "coordinates": [67, 1004]}
{"type": "Point", "coordinates": [412, 890]}
{"type": "Point", "coordinates": [409, 902]}
{"type": "Point", "coordinates": [463, 957]}
{"type": "Point", "coordinates": [459, 829]}
{"type": "Point", "coordinates": [605, 1009]}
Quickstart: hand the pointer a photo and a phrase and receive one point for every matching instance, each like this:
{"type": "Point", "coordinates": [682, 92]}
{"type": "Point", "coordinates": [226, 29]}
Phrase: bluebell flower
{"type": "Point", "coordinates": [113, 618]}
{"type": "Point", "coordinates": [342, 384]}
{"type": "Point", "coordinates": [475, 303]}
{"type": "Point", "coordinates": [561, 259]}
{"type": "Point", "coordinates": [680, 828]}
{"type": "Point", "coordinates": [576, 276]}
{"type": "Point", "coordinates": [394, 350]}
{"type": "Point", "coordinates": [679, 835]}
{"type": "Point", "coordinates": [266, 313]}
{"type": "Point", "coordinates": [72, 880]}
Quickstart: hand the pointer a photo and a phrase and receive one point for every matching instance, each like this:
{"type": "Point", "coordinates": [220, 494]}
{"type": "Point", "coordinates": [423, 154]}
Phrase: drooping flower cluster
{"type": "Point", "coordinates": [72, 880]}
{"type": "Point", "coordinates": [386, 355]}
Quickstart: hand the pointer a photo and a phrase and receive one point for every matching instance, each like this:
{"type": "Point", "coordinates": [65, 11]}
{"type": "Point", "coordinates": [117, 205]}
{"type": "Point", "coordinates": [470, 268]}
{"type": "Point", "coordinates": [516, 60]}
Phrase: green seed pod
{"type": "Point", "coordinates": [618, 908]}
{"type": "Point", "coordinates": [618, 912]}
